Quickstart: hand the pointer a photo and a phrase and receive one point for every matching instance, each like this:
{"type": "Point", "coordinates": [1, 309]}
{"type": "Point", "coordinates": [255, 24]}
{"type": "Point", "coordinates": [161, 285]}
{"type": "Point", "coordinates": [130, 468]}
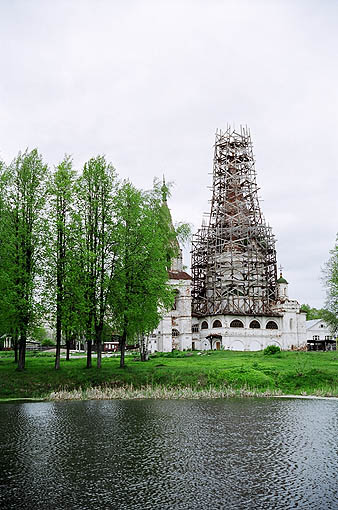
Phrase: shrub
{"type": "Point", "coordinates": [47, 342]}
{"type": "Point", "coordinates": [271, 349]}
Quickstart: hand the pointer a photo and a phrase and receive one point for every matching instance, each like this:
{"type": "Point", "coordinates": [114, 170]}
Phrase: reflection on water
{"type": "Point", "coordinates": [232, 454]}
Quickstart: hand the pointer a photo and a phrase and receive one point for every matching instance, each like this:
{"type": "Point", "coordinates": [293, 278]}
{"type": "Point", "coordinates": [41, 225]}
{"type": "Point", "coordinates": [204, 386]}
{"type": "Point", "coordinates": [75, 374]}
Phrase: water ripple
{"type": "Point", "coordinates": [233, 454]}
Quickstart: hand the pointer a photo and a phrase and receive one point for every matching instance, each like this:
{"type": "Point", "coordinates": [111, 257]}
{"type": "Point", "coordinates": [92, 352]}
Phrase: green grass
{"type": "Point", "coordinates": [308, 373]}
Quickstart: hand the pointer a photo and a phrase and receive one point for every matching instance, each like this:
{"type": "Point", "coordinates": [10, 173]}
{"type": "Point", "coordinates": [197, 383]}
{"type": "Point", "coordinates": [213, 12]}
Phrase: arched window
{"type": "Point", "coordinates": [271, 325]}
{"type": "Point", "coordinates": [291, 323]}
{"type": "Point", "coordinates": [217, 324]}
{"type": "Point", "coordinates": [255, 324]}
{"type": "Point", "coordinates": [236, 324]}
{"type": "Point", "coordinates": [194, 328]}
{"type": "Point", "coordinates": [175, 333]}
{"type": "Point", "coordinates": [204, 325]}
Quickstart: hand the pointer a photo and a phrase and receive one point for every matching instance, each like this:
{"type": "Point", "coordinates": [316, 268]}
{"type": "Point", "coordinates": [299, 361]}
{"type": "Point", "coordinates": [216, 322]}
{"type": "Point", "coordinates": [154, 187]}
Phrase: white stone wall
{"type": "Point", "coordinates": [290, 332]}
{"type": "Point", "coordinates": [293, 327]}
{"type": "Point", "coordinates": [239, 339]}
{"type": "Point", "coordinates": [181, 317]}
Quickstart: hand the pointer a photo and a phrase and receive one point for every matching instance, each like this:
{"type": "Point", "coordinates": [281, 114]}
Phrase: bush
{"type": "Point", "coordinates": [47, 342]}
{"type": "Point", "coordinates": [271, 349]}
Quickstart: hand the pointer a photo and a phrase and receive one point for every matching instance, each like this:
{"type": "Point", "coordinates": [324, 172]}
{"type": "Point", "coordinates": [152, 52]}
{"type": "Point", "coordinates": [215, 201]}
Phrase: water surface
{"type": "Point", "coordinates": [230, 454]}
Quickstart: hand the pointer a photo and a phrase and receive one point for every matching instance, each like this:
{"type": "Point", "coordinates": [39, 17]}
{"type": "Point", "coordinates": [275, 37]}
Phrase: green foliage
{"type": "Point", "coordinates": [311, 313]}
{"type": "Point", "coordinates": [39, 334]}
{"type": "Point", "coordinates": [183, 232]}
{"type": "Point", "coordinates": [47, 342]}
{"type": "Point", "coordinates": [271, 349]}
{"type": "Point", "coordinates": [140, 289]}
{"type": "Point", "coordinates": [22, 236]}
{"type": "Point", "coordinates": [96, 245]}
{"type": "Point", "coordinates": [87, 253]}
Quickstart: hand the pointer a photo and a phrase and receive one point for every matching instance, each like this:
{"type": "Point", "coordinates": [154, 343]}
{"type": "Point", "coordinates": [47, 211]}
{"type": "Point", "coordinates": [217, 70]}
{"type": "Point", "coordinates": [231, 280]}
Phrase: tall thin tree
{"type": "Point", "coordinates": [61, 193]}
{"type": "Point", "coordinates": [141, 290]}
{"type": "Point", "coordinates": [25, 198]}
{"type": "Point", "coordinates": [96, 216]}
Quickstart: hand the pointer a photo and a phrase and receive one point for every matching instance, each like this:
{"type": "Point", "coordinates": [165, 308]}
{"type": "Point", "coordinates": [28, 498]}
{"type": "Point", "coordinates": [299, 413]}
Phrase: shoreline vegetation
{"type": "Point", "coordinates": [163, 393]}
{"type": "Point", "coordinates": [176, 375]}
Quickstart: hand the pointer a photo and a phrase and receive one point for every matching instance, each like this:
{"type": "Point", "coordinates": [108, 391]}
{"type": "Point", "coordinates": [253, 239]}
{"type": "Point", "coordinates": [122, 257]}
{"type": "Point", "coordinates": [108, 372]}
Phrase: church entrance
{"type": "Point", "coordinates": [218, 346]}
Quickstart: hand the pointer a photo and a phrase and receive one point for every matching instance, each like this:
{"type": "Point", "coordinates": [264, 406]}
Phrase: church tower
{"type": "Point", "coordinates": [174, 329]}
{"type": "Point", "coordinates": [237, 301]}
{"type": "Point", "coordinates": [282, 290]}
{"type": "Point", "coordinates": [234, 257]}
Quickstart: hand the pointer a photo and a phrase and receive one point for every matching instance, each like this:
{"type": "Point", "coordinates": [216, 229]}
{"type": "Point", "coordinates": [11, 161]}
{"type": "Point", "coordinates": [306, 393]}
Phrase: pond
{"type": "Point", "coordinates": [220, 454]}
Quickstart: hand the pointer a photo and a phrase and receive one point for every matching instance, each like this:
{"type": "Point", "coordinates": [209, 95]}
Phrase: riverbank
{"type": "Point", "coordinates": [222, 373]}
{"type": "Point", "coordinates": [163, 393]}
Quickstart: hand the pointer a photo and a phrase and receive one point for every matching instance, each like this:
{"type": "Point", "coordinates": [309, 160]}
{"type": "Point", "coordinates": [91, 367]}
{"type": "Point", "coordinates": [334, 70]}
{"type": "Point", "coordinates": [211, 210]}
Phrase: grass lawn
{"type": "Point", "coordinates": [290, 372]}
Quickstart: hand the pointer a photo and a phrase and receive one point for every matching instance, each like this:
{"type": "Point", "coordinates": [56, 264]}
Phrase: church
{"type": "Point", "coordinates": [234, 298]}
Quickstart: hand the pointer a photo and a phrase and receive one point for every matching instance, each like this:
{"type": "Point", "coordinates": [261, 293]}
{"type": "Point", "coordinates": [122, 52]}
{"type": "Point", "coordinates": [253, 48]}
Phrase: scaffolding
{"type": "Point", "coordinates": [233, 256]}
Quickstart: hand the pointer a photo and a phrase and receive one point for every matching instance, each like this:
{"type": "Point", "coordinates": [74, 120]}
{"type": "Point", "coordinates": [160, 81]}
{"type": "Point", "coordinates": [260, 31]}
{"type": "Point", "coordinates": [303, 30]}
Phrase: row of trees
{"type": "Point", "coordinates": [311, 312]}
{"type": "Point", "coordinates": [85, 251]}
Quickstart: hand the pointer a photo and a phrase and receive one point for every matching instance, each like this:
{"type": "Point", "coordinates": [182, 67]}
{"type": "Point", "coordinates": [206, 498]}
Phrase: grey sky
{"type": "Point", "coordinates": [148, 82]}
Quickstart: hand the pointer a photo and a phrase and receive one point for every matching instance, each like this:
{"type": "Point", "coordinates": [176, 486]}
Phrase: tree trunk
{"type": "Point", "coordinates": [122, 343]}
{"type": "Point", "coordinates": [15, 350]}
{"type": "Point", "coordinates": [143, 349]}
{"type": "Point", "coordinates": [144, 356]}
{"type": "Point", "coordinates": [99, 353]}
{"type": "Point", "coordinates": [89, 354]}
{"type": "Point", "coordinates": [98, 341]}
{"type": "Point", "coordinates": [58, 342]}
{"type": "Point", "coordinates": [22, 352]}
{"type": "Point", "coordinates": [68, 349]}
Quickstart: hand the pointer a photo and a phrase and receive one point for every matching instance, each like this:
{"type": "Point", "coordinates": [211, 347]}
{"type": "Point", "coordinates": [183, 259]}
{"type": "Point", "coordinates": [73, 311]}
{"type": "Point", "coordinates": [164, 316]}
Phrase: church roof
{"type": "Point", "coordinates": [281, 279]}
{"type": "Point", "coordinates": [179, 275]}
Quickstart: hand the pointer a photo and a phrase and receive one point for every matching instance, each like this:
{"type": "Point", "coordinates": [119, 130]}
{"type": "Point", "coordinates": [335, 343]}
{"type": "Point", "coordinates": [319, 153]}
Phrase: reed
{"type": "Point", "coordinates": [157, 393]}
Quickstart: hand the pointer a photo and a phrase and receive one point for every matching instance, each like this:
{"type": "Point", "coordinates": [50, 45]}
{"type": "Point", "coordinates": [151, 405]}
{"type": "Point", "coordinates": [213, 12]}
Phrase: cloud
{"type": "Point", "coordinates": [147, 83]}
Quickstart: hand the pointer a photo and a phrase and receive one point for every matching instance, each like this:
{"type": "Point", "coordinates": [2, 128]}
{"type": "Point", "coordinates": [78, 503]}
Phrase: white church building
{"type": "Point", "coordinates": [284, 328]}
{"type": "Point", "coordinates": [179, 330]}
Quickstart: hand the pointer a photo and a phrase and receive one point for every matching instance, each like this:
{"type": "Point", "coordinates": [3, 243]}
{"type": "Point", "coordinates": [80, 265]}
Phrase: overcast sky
{"type": "Point", "coordinates": [148, 82]}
